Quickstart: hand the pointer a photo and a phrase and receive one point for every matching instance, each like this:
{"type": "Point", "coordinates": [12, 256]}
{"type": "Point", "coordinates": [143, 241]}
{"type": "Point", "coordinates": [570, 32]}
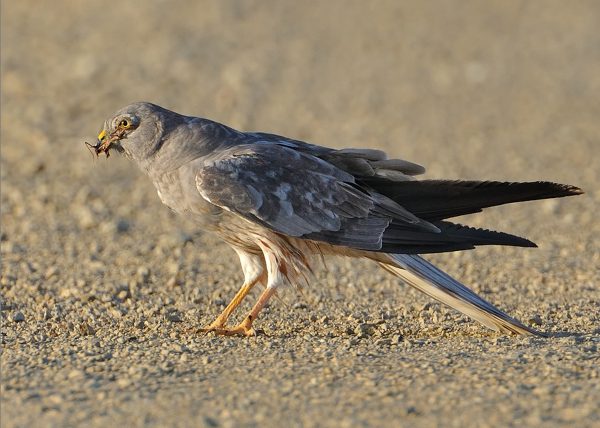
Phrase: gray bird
{"type": "Point", "coordinates": [282, 203]}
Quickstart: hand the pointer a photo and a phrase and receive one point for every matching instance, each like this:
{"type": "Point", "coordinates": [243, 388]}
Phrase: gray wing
{"type": "Point", "coordinates": [361, 163]}
{"type": "Point", "coordinates": [300, 195]}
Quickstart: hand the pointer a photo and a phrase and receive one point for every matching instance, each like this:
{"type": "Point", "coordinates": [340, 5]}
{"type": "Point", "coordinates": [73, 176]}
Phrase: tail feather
{"type": "Point", "coordinates": [425, 277]}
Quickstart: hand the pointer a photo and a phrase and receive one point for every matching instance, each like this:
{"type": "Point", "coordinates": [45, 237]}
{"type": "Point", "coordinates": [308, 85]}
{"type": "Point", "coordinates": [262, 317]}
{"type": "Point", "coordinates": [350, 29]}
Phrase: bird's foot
{"type": "Point", "coordinates": [242, 329]}
{"type": "Point", "coordinates": [238, 330]}
{"type": "Point", "coordinates": [213, 326]}
{"type": "Point", "coordinates": [245, 327]}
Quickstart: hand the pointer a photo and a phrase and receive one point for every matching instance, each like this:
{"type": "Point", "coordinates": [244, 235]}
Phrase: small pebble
{"type": "Point", "coordinates": [122, 226]}
{"type": "Point", "coordinates": [75, 374]}
{"type": "Point", "coordinates": [51, 272]}
{"type": "Point", "coordinates": [536, 319]}
{"type": "Point", "coordinates": [174, 317]}
{"type": "Point", "coordinates": [143, 273]}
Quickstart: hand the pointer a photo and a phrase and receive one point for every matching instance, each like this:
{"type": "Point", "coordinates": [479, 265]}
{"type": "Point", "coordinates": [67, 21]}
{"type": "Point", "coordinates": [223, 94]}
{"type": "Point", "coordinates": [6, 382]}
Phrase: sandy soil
{"type": "Point", "coordinates": [101, 285]}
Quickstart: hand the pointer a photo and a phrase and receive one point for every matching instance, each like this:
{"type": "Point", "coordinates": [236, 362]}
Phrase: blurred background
{"type": "Point", "coordinates": [438, 82]}
{"type": "Point", "coordinates": [504, 90]}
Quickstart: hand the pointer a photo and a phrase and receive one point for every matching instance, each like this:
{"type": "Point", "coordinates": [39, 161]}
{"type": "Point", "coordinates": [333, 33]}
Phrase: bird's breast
{"type": "Point", "coordinates": [177, 190]}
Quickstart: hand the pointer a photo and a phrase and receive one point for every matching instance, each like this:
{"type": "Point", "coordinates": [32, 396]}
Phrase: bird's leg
{"type": "Point", "coordinates": [254, 272]}
{"type": "Point", "coordinates": [220, 321]}
{"type": "Point", "coordinates": [245, 327]}
{"type": "Point", "coordinates": [275, 279]}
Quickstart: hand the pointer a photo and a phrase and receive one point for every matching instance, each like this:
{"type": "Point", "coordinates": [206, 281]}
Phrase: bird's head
{"type": "Point", "coordinates": [135, 130]}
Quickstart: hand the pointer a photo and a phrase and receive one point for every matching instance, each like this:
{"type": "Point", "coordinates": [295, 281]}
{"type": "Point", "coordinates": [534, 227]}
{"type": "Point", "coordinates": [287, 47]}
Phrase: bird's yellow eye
{"type": "Point", "coordinates": [124, 123]}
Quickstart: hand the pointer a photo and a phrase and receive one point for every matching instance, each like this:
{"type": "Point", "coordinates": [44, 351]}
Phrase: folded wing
{"type": "Point", "coordinates": [297, 194]}
{"type": "Point", "coordinates": [300, 195]}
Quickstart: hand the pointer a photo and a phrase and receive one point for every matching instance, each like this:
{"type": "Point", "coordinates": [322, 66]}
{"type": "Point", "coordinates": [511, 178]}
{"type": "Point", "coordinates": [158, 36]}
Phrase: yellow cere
{"type": "Point", "coordinates": [101, 135]}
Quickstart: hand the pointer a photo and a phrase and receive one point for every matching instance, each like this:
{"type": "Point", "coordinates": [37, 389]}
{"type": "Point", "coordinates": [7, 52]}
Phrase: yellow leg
{"type": "Point", "coordinates": [245, 327]}
{"type": "Point", "coordinates": [220, 321]}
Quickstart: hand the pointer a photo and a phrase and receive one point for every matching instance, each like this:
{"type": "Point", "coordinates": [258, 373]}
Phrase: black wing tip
{"type": "Point", "coordinates": [561, 190]}
{"type": "Point", "coordinates": [552, 189]}
{"type": "Point", "coordinates": [519, 241]}
{"type": "Point", "coordinates": [524, 242]}
{"type": "Point", "coordinates": [513, 240]}
{"type": "Point", "coordinates": [495, 237]}
{"type": "Point", "coordinates": [573, 190]}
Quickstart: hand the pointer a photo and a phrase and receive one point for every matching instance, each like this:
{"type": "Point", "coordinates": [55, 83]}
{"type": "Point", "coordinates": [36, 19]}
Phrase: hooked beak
{"type": "Point", "coordinates": [101, 135]}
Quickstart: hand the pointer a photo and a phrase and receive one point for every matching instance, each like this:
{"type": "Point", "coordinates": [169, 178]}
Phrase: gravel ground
{"type": "Point", "coordinates": [102, 287]}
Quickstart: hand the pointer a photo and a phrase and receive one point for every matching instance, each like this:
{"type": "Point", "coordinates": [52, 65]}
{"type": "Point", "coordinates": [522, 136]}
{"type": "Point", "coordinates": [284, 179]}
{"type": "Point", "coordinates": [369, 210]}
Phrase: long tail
{"type": "Point", "coordinates": [425, 277]}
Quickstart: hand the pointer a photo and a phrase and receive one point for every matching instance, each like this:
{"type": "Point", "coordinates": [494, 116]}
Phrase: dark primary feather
{"type": "Point", "coordinates": [439, 199]}
{"type": "Point", "coordinates": [452, 237]}
{"type": "Point", "coordinates": [397, 239]}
